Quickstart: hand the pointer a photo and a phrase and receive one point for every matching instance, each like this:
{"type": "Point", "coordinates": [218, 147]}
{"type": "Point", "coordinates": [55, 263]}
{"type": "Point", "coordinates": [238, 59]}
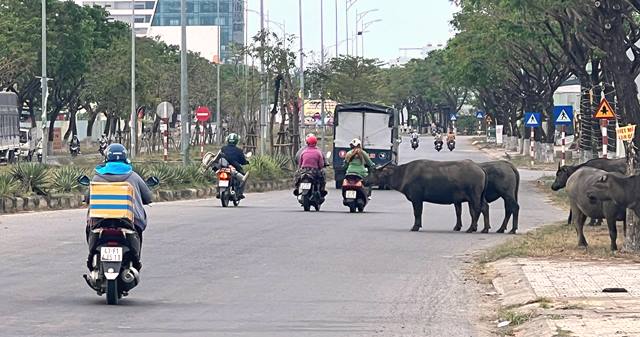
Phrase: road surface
{"type": "Point", "coordinates": [263, 269]}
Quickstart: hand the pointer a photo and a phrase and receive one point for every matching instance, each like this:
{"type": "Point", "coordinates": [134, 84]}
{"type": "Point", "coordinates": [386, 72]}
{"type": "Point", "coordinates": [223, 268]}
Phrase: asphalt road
{"type": "Point", "coordinates": [263, 269]}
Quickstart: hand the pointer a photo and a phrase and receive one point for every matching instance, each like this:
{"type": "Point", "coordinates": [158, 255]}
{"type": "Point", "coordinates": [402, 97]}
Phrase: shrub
{"type": "Point", "coordinates": [8, 185]}
{"type": "Point", "coordinates": [65, 179]}
{"type": "Point", "coordinates": [264, 167]}
{"type": "Point", "coordinates": [32, 177]}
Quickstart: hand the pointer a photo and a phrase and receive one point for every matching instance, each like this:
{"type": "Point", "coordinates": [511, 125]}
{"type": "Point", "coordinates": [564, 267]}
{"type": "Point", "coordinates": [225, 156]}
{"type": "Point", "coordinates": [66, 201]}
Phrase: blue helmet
{"type": "Point", "coordinates": [116, 153]}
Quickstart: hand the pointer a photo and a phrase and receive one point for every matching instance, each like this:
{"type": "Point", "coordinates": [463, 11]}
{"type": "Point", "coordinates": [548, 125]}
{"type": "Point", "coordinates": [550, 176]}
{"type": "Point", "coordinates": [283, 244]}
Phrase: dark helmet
{"type": "Point", "coordinates": [116, 153]}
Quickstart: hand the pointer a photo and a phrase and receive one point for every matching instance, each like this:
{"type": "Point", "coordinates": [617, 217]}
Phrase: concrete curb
{"type": "Point", "coordinates": [10, 205]}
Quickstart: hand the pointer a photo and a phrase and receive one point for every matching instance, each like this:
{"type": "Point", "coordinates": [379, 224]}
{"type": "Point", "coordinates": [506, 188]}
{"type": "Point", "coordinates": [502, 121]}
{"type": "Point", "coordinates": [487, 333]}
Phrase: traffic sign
{"type": "Point", "coordinates": [563, 114]}
{"type": "Point", "coordinates": [480, 115]}
{"type": "Point", "coordinates": [202, 114]}
{"type": "Point", "coordinates": [604, 110]}
{"type": "Point", "coordinates": [452, 117]}
{"type": "Point", "coordinates": [626, 133]}
{"type": "Point", "coordinates": [532, 119]}
{"type": "Point", "coordinates": [164, 110]}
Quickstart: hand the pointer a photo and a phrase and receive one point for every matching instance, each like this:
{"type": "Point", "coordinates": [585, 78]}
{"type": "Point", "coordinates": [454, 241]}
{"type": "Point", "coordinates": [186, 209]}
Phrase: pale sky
{"type": "Point", "coordinates": [405, 24]}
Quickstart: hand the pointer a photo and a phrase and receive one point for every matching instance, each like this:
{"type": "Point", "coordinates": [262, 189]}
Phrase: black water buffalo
{"type": "Point", "coordinates": [503, 181]}
{"type": "Point", "coordinates": [609, 165]}
{"type": "Point", "coordinates": [583, 194]}
{"type": "Point", "coordinates": [623, 190]}
{"type": "Point", "coordinates": [438, 182]}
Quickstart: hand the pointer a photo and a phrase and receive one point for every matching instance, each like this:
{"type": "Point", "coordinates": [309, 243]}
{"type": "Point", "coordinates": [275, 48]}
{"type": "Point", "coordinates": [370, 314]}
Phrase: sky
{"type": "Point", "coordinates": [405, 24]}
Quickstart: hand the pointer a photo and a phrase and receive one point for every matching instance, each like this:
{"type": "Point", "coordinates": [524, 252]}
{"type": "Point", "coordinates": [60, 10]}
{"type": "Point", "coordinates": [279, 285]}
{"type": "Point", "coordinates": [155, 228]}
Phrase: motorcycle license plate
{"type": "Point", "coordinates": [350, 194]}
{"type": "Point", "coordinates": [305, 186]}
{"type": "Point", "coordinates": [223, 183]}
{"type": "Point", "coordinates": [111, 254]}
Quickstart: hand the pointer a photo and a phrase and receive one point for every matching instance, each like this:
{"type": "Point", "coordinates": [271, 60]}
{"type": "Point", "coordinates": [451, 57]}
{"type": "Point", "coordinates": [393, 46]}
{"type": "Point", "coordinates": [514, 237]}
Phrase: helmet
{"type": "Point", "coordinates": [116, 153]}
{"type": "Point", "coordinates": [312, 140]}
{"type": "Point", "coordinates": [233, 139]}
{"type": "Point", "coordinates": [355, 143]}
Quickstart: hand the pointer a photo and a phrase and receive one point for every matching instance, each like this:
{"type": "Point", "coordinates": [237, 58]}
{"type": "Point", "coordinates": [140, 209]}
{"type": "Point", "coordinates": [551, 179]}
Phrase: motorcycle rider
{"type": "Point", "coordinates": [357, 161]}
{"type": "Point", "coordinates": [414, 136]}
{"type": "Point", "coordinates": [117, 168]}
{"type": "Point", "coordinates": [235, 156]}
{"type": "Point", "coordinates": [299, 153]}
{"type": "Point", "coordinates": [451, 136]}
{"type": "Point", "coordinates": [103, 143]}
{"type": "Point", "coordinates": [312, 159]}
{"type": "Point", "coordinates": [437, 139]}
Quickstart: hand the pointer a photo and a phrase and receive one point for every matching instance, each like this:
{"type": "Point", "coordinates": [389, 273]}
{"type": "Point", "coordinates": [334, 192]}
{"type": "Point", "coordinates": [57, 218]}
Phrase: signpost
{"type": "Point", "coordinates": [164, 111]}
{"type": "Point", "coordinates": [563, 116]}
{"type": "Point", "coordinates": [480, 117]}
{"type": "Point", "coordinates": [626, 133]}
{"type": "Point", "coordinates": [532, 120]}
{"type": "Point", "coordinates": [202, 115]}
{"type": "Point", "coordinates": [604, 113]}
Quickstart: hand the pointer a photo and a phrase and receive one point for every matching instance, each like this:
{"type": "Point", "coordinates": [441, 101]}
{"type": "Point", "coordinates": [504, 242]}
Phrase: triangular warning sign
{"type": "Point", "coordinates": [563, 117]}
{"type": "Point", "coordinates": [604, 110]}
{"type": "Point", "coordinates": [532, 120]}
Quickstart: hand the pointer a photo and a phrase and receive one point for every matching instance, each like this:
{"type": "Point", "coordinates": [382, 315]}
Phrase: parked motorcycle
{"type": "Point", "coordinates": [415, 143]}
{"type": "Point", "coordinates": [74, 149]}
{"type": "Point", "coordinates": [113, 245]}
{"type": "Point", "coordinates": [309, 193]}
{"type": "Point", "coordinates": [354, 193]}
{"type": "Point", "coordinates": [451, 144]}
{"type": "Point", "coordinates": [438, 145]}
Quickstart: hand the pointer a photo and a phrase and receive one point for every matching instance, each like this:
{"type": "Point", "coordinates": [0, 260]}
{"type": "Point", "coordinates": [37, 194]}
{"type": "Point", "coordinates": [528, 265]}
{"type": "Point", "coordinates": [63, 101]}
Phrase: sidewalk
{"type": "Point", "coordinates": [566, 298]}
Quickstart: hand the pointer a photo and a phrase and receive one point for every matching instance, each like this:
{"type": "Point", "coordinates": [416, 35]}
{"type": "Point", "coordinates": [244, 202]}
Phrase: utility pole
{"type": "Point", "coordinates": [246, 41]}
{"type": "Point", "coordinates": [348, 4]}
{"type": "Point", "coordinates": [218, 121]}
{"type": "Point", "coordinates": [184, 89]}
{"type": "Point", "coordinates": [336, 29]}
{"type": "Point", "coordinates": [133, 121]}
{"type": "Point", "coordinates": [322, 112]}
{"type": "Point", "coordinates": [43, 84]}
{"type": "Point", "coordinates": [301, 117]}
{"type": "Point", "coordinates": [263, 91]}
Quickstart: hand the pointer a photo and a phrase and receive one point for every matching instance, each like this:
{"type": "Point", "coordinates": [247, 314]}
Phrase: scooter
{"type": "Point", "coordinates": [74, 150]}
{"type": "Point", "coordinates": [438, 145]}
{"type": "Point", "coordinates": [113, 244]}
{"type": "Point", "coordinates": [309, 193]}
{"type": "Point", "coordinates": [415, 143]}
{"type": "Point", "coordinates": [354, 193]}
{"type": "Point", "coordinates": [451, 144]}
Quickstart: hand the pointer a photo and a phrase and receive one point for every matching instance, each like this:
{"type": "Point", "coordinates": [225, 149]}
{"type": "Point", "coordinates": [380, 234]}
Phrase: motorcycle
{"type": "Point", "coordinates": [39, 152]}
{"type": "Point", "coordinates": [451, 144]}
{"type": "Point", "coordinates": [74, 150]}
{"type": "Point", "coordinates": [228, 184]}
{"type": "Point", "coordinates": [354, 193]}
{"type": "Point", "coordinates": [113, 244]}
{"type": "Point", "coordinates": [309, 193]}
{"type": "Point", "coordinates": [103, 147]}
{"type": "Point", "coordinates": [414, 143]}
{"type": "Point", "coordinates": [438, 145]}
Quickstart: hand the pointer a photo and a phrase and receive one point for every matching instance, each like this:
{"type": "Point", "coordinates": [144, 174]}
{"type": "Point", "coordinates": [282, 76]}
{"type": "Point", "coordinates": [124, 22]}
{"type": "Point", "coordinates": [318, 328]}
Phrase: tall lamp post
{"type": "Point", "coordinates": [133, 120]}
{"type": "Point", "coordinates": [184, 94]}
{"type": "Point", "coordinates": [359, 18]}
{"type": "Point", "coordinates": [43, 83]}
{"type": "Point", "coordinates": [348, 4]}
{"type": "Point", "coordinates": [301, 117]}
{"type": "Point", "coordinates": [219, 62]}
{"type": "Point", "coordinates": [322, 112]}
{"type": "Point", "coordinates": [364, 27]}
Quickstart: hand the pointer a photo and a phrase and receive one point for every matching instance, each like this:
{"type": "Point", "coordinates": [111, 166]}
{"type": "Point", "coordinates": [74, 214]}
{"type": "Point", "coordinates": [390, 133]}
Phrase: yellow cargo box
{"type": "Point", "coordinates": [111, 200]}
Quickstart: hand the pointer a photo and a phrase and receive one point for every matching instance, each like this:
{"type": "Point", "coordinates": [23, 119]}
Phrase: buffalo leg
{"type": "Point", "coordinates": [485, 213]}
{"type": "Point", "coordinates": [507, 216]}
{"type": "Point", "coordinates": [569, 218]}
{"type": "Point", "coordinates": [515, 209]}
{"type": "Point", "coordinates": [579, 219]}
{"type": "Point", "coordinates": [613, 231]}
{"type": "Point", "coordinates": [417, 214]}
{"type": "Point", "coordinates": [475, 215]}
{"type": "Point", "coordinates": [458, 207]}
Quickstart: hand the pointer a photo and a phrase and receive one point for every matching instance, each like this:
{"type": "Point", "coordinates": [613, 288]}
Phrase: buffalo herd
{"type": "Point", "coordinates": [455, 182]}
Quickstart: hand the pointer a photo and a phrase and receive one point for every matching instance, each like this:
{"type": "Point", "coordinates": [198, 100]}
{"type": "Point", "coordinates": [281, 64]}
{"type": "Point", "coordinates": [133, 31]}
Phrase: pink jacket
{"type": "Point", "coordinates": [311, 157]}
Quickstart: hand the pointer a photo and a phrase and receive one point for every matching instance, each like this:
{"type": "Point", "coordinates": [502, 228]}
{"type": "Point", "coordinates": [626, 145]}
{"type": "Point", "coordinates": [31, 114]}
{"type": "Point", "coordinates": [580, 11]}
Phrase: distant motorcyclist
{"type": "Point", "coordinates": [74, 145]}
{"type": "Point", "coordinates": [299, 153]}
{"type": "Point", "coordinates": [438, 138]}
{"type": "Point", "coordinates": [236, 158]}
{"type": "Point", "coordinates": [117, 168]}
{"type": "Point", "coordinates": [103, 143]}
{"type": "Point", "coordinates": [311, 159]}
{"type": "Point", "coordinates": [451, 136]}
{"type": "Point", "coordinates": [357, 161]}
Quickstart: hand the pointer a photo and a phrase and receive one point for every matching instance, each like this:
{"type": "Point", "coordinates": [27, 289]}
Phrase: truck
{"type": "Point", "coordinates": [9, 127]}
{"type": "Point", "coordinates": [28, 142]}
{"type": "Point", "coordinates": [375, 125]}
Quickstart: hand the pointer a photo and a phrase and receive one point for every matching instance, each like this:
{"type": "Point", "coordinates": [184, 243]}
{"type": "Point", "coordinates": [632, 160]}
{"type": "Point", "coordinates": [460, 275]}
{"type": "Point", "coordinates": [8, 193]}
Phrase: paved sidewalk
{"type": "Point", "coordinates": [573, 297]}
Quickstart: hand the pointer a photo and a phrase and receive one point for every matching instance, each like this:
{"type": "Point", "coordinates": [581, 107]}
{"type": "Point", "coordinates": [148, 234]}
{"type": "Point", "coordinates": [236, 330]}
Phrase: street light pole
{"type": "Point", "coordinates": [348, 4]}
{"type": "Point", "coordinates": [336, 28]}
{"type": "Point", "coordinates": [364, 27]}
{"type": "Point", "coordinates": [133, 120]}
{"type": "Point", "coordinates": [322, 112]}
{"type": "Point", "coordinates": [263, 92]}
{"type": "Point", "coordinates": [43, 83]}
{"type": "Point", "coordinates": [301, 117]}
{"type": "Point", "coordinates": [218, 115]}
{"type": "Point", "coordinates": [184, 93]}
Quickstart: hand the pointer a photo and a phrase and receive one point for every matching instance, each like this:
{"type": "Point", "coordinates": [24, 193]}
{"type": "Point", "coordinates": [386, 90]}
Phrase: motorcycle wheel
{"type": "Point", "coordinates": [352, 209]}
{"type": "Point", "coordinates": [360, 209]}
{"type": "Point", "coordinates": [236, 203]}
{"type": "Point", "coordinates": [112, 292]}
{"type": "Point", "coordinates": [317, 207]}
{"type": "Point", "coordinates": [306, 204]}
{"type": "Point", "coordinates": [224, 199]}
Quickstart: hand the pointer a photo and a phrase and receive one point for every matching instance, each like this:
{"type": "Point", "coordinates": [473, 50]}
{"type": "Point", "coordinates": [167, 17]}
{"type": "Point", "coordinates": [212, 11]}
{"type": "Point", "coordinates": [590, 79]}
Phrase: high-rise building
{"type": "Point", "coordinates": [162, 18]}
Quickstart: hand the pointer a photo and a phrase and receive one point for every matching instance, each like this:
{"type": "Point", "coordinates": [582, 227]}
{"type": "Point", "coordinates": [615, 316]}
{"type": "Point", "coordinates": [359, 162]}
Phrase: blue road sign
{"type": "Point", "coordinates": [532, 119]}
{"type": "Point", "coordinates": [453, 117]}
{"type": "Point", "coordinates": [563, 114]}
{"type": "Point", "coordinates": [480, 115]}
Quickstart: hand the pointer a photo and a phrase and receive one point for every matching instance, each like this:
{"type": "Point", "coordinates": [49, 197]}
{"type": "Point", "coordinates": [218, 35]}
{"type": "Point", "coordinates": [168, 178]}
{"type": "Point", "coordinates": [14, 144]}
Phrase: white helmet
{"type": "Point", "coordinates": [355, 143]}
